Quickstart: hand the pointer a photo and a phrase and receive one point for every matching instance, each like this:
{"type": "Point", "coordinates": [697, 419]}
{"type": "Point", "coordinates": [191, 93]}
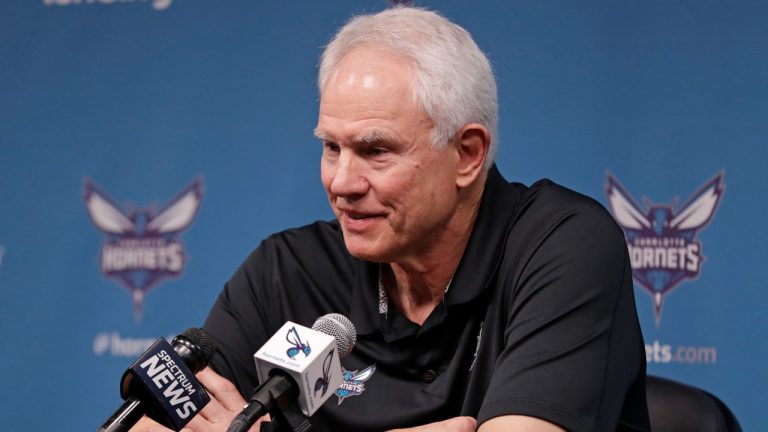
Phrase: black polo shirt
{"type": "Point", "coordinates": [539, 320]}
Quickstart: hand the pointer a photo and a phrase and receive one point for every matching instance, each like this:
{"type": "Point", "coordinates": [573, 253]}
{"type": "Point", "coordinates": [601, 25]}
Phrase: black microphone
{"type": "Point", "coordinates": [298, 367]}
{"type": "Point", "coordinates": [162, 383]}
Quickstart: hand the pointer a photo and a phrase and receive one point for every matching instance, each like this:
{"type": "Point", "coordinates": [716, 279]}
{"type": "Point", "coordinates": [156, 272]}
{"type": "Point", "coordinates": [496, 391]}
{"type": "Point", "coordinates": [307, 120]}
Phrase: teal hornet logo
{"type": "Point", "coordinates": [354, 382]}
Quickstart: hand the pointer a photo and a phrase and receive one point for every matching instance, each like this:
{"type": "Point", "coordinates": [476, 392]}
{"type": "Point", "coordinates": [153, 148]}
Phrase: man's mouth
{"type": "Point", "coordinates": [354, 215]}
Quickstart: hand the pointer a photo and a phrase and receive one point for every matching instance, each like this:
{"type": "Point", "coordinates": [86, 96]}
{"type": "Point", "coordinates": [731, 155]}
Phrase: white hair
{"type": "Point", "coordinates": [453, 80]}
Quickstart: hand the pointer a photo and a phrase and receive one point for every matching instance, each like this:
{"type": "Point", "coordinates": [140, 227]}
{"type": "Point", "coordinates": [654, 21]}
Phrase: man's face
{"type": "Point", "coordinates": [391, 190]}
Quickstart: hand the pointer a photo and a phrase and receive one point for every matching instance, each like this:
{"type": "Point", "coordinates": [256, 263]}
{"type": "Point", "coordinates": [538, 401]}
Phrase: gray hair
{"type": "Point", "coordinates": [453, 80]}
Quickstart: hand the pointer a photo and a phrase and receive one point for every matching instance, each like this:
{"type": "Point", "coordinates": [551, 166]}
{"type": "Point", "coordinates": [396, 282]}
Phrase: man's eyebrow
{"type": "Point", "coordinates": [322, 136]}
{"type": "Point", "coordinates": [375, 136]}
{"type": "Point", "coordinates": [367, 137]}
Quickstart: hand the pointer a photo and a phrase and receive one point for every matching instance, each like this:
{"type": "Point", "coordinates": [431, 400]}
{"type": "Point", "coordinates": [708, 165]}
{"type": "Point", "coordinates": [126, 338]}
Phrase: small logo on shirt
{"type": "Point", "coordinates": [354, 382]}
{"type": "Point", "coordinates": [142, 247]}
{"type": "Point", "coordinates": [661, 238]}
{"type": "Point", "coordinates": [477, 347]}
{"type": "Point", "coordinates": [298, 346]}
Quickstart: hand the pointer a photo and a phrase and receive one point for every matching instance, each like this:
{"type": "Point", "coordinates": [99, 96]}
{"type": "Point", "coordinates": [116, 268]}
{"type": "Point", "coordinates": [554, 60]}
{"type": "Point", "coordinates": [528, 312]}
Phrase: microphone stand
{"type": "Point", "coordinates": [285, 416]}
{"type": "Point", "coordinates": [276, 397]}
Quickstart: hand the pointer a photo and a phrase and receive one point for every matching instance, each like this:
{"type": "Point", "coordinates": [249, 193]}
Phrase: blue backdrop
{"type": "Point", "coordinates": [195, 118]}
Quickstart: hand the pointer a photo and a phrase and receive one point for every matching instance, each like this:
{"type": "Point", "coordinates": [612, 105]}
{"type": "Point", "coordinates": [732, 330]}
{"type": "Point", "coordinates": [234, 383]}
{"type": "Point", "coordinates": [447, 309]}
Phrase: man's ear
{"type": "Point", "coordinates": [473, 141]}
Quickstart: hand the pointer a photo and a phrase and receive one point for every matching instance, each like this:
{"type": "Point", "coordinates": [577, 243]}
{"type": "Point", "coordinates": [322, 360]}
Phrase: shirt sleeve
{"type": "Point", "coordinates": [293, 275]}
{"type": "Point", "coordinates": [237, 321]}
{"type": "Point", "coordinates": [572, 343]}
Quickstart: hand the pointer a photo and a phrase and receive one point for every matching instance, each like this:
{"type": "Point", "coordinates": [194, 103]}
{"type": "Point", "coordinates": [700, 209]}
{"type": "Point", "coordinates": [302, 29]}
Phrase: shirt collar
{"type": "Point", "coordinates": [364, 305]}
{"type": "Point", "coordinates": [484, 250]}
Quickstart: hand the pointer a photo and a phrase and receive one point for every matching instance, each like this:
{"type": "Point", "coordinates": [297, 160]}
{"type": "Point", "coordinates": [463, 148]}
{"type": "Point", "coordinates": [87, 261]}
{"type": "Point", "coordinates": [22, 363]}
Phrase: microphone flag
{"type": "Point", "coordinates": [309, 356]}
{"type": "Point", "coordinates": [161, 375]}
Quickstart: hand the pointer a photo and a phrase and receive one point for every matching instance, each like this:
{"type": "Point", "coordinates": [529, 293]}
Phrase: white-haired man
{"type": "Point", "coordinates": [479, 304]}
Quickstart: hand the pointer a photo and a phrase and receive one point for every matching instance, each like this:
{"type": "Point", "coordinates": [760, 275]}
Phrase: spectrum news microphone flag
{"type": "Point", "coordinates": [162, 384]}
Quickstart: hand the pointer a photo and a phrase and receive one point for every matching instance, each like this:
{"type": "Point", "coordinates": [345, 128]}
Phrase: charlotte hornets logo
{"type": "Point", "coordinates": [354, 382]}
{"type": "Point", "coordinates": [662, 238]}
{"type": "Point", "coordinates": [298, 346]}
{"type": "Point", "coordinates": [141, 248]}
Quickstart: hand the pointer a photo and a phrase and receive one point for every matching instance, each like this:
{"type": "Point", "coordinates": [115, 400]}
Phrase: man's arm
{"type": "Point", "coordinates": [572, 345]}
{"type": "Point", "coordinates": [518, 423]}
{"type": "Point", "coordinates": [509, 423]}
{"type": "Point", "coordinates": [226, 402]}
{"type": "Point", "coordinates": [456, 424]}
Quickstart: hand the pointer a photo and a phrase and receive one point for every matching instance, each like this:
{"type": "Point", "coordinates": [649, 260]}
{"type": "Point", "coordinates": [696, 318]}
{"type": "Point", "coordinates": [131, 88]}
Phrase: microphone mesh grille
{"type": "Point", "coordinates": [203, 341]}
{"type": "Point", "coordinates": [341, 328]}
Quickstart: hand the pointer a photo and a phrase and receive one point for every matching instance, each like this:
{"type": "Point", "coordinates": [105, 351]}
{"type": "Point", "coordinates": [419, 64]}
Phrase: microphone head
{"type": "Point", "coordinates": [195, 347]}
{"type": "Point", "coordinates": [341, 328]}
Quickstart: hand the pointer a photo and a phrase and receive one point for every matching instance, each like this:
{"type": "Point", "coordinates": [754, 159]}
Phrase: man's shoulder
{"type": "Point", "coordinates": [314, 234]}
{"type": "Point", "coordinates": [547, 208]}
{"type": "Point", "coordinates": [542, 201]}
{"type": "Point", "coordinates": [315, 245]}
{"type": "Point", "coordinates": [549, 198]}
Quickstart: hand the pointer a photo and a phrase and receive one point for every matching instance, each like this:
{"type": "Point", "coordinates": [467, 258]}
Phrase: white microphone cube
{"type": "Point", "coordinates": [310, 357]}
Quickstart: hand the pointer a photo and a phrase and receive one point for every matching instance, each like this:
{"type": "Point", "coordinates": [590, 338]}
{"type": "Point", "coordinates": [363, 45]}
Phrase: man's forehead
{"type": "Point", "coordinates": [371, 56]}
{"type": "Point", "coordinates": [369, 98]}
{"type": "Point", "coordinates": [367, 69]}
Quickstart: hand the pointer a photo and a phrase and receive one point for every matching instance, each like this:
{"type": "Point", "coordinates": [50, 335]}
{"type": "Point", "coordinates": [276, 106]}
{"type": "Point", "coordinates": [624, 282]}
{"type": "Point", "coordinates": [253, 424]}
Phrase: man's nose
{"type": "Point", "coordinates": [349, 180]}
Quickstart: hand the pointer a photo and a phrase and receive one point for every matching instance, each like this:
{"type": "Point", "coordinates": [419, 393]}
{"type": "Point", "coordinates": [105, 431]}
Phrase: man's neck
{"type": "Point", "coordinates": [417, 286]}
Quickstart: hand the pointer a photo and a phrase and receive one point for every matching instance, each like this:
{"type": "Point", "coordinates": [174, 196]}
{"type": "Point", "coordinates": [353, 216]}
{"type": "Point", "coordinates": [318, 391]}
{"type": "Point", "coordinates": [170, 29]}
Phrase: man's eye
{"type": "Point", "coordinates": [376, 151]}
{"type": "Point", "coordinates": [331, 147]}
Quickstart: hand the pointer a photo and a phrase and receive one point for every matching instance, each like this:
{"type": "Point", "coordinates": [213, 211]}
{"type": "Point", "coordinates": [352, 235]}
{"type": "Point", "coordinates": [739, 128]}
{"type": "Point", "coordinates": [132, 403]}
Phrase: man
{"type": "Point", "coordinates": [478, 303]}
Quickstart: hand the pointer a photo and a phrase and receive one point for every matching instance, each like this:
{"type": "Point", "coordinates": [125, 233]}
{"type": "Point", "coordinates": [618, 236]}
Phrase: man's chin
{"type": "Point", "coordinates": [365, 252]}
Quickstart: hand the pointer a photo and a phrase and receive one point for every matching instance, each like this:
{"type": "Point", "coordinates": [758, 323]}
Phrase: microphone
{"type": "Point", "coordinates": [298, 364]}
{"type": "Point", "coordinates": [162, 383]}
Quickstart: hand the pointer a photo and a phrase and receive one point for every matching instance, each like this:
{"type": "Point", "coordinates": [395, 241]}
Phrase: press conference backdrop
{"type": "Point", "coordinates": [147, 146]}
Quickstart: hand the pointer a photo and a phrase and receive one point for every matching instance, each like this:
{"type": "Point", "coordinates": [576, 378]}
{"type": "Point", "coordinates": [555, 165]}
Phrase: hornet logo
{"type": "Point", "coordinates": [323, 381]}
{"type": "Point", "coordinates": [298, 346]}
{"type": "Point", "coordinates": [141, 247]}
{"type": "Point", "coordinates": [662, 238]}
{"type": "Point", "coordinates": [354, 382]}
